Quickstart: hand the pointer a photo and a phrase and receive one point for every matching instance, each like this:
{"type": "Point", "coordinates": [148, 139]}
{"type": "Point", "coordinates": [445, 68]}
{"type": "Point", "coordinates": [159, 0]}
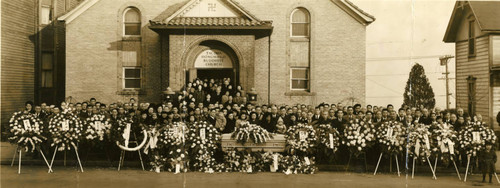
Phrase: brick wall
{"type": "Point", "coordinates": [337, 53]}
{"type": "Point", "coordinates": [18, 55]}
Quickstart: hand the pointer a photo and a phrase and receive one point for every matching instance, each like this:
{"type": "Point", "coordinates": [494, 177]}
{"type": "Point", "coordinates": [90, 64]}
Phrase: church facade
{"type": "Point", "coordinates": [289, 51]}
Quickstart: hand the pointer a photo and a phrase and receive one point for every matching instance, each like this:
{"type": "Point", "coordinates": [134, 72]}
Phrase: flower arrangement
{"type": "Point", "coordinates": [173, 141]}
{"type": "Point", "coordinates": [122, 129]}
{"type": "Point", "coordinates": [177, 159]}
{"type": "Point", "coordinates": [158, 162]}
{"type": "Point", "coordinates": [328, 137]}
{"type": "Point", "coordinates": [202, 142]}
{"type": "Point", "coordinates": [358, 136]}
{"type": "Point", "coordinates": [445, 139]}
{"type": "Point", "coordinates": [294, 164]}
{"type": "Point", "coordinates": [300, 139]}
{"type": "Point", "coordinates": [473, 138]}
{"type": "Point", "coordinates": [268, 161]}
{"type": "Point", "coordinates": [232, 160]}
{"type": "Point", "coordinates": [26, 131]}
{"type": "Point", "coordinates": [65, 130]}
{"type": "Point", "coordinates": [247, 131]}
{"type": "Point", "coordinates": [391, 135]}
{"type": "Point", "coordinates": [419, 142]}
{"type": "Point", "coordinates": [98, 127]}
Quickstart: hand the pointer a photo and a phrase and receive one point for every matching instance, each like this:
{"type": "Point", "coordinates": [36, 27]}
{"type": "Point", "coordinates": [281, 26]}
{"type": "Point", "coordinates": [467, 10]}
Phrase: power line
{"type": "Point", "coordinates": [402, 58]}
{"type": "Point", "coordinates": [390, 89]}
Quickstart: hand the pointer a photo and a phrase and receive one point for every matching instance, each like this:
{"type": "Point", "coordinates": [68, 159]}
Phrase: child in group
{"type": "Point", "coordinates": [280, 126]}
{"type": "Point", "coordinates": [488, 158]}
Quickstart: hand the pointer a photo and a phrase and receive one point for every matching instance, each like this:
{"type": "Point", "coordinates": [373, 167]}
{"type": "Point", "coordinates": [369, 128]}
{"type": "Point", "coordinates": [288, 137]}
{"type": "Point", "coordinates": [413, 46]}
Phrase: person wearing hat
{"type": "Point", "coordinates": [488, 158]}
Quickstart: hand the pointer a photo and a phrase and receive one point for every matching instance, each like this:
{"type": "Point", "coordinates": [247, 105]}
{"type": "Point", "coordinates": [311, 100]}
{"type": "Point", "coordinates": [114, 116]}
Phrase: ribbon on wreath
{"type": "Point", "coordinates": [417, 149]}
{"type": "Point", "coordinates": [152, 141]}
{"type": "Point", "coordinates": [126, 134]}
{"type": "Point", "coordinates": [451, 146]}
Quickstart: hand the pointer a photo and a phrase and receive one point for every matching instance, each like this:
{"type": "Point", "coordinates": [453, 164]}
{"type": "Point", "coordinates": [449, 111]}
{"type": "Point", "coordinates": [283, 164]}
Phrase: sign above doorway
{"type": "Point", "coordinates": [213, 59]}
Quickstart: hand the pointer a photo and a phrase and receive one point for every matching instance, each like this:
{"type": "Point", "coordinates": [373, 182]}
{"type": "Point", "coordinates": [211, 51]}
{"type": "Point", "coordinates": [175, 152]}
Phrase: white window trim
{"type": "Point", "coordinates": [49, 16]}
{"type": "Point", "coordinates": [124, 78]}
{"type": "Point", "coordinates": [124, 22]}
{"type": "Point", "coordinates": [291, 24]}
{"type": "Point", "coordinates": [292, 79]}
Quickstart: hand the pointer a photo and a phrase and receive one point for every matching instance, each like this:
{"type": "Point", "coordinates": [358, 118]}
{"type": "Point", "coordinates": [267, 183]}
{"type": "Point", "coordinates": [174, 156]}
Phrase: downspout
{"type": "Point", "coordinates": [269, 71]}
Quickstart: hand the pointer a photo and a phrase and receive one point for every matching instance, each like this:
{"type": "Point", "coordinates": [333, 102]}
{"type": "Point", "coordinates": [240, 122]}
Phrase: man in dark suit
{"type": "Point", "coordinates": [317, 115]}
{"type": "Point", "coordinates": [401, 115]}
{"type": "Point", "coordinates": [340, 122]}
{"type": "Point", "coordinates": [408, 121]}
{"type": "Point", "coordinates": [324, 119]}
{"type": "Point", "coordinates": [378, 117]}
{"type": "Point", "coordinates": [350, 114]}
{"type": "Point", "coordinates": [39, 114]}
{"type": "Point", "coordinates": [211, 117]}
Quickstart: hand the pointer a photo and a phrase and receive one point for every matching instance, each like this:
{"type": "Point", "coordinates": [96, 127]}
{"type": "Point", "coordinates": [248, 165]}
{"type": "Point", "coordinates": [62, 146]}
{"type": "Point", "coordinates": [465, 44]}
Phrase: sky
{"type": "Point", "coordinates": [406, 32]}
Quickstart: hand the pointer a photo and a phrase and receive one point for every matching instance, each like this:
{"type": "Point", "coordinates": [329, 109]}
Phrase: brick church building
{"type": "Point", "coordinates": [289, 51]}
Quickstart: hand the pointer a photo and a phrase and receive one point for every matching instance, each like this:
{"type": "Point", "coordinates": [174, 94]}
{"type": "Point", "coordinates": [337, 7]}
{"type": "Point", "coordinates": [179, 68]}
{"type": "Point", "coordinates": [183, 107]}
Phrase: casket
{"type": "Point", "coordinates": [275, 144]}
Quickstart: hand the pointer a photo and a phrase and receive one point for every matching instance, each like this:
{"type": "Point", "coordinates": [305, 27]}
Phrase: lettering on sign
{"type": "Point", "coordinates": [213, 59]}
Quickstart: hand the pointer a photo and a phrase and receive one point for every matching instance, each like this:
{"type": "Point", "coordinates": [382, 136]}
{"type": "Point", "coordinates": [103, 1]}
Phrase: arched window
{"type": "Point", "coordinates": [132, 22]}
{"type": "Point", "coordinates": [301, 22]}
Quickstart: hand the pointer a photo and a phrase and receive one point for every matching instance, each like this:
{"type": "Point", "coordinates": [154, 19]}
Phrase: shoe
{"type": "Point", "coordinates": [483, 181]}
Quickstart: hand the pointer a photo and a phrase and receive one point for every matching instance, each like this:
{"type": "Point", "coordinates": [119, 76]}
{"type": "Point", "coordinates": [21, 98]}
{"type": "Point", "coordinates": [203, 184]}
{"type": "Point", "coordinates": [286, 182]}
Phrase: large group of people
{"type": "Point", "coordinates": [225, 107]}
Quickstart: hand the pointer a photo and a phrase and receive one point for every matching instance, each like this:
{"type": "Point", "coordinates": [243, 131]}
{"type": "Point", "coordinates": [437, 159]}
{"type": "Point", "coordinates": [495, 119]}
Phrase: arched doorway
{"type": "Point", "coordinates": [214, 60]}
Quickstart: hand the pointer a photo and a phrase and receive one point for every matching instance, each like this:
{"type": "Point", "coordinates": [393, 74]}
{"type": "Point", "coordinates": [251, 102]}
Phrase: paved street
{"type": "Point", "coordinates": [36, 176]}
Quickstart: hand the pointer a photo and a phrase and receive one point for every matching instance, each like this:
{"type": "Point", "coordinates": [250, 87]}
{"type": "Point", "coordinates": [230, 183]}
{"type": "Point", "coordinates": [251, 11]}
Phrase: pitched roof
{"type": "Point", "coordinates": [356, 12]}
{"type": "Point", "coordinates": [82, 7]}
{"type": "Point", "coordinates": [487, 15]}
{"type": "Point", "coordinates": [173, 19]}
{"type": "Point", "coordinates": [212, 21]}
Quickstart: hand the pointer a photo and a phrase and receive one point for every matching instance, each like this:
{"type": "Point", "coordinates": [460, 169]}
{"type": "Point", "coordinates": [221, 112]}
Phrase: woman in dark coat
{"type": "Point", "coordinates": [253, 119]}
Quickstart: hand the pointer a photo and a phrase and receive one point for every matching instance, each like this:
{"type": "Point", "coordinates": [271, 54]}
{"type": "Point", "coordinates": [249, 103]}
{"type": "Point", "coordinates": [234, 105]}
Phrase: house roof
{"type": "Point", "coordinates": [170, 19]}
{"type": "Point", "coordinates": [346, 5]}
{"type": "Point", "coordinates": [82, 7]}
{"type": "Point", "coordinates": [212, 21]}
{"type": "Point", "coordinates": [174, 19]}
{"type": "Point", "coordinates": [356, 12]}
{"type": "Point", "coordinates": [486, 13]}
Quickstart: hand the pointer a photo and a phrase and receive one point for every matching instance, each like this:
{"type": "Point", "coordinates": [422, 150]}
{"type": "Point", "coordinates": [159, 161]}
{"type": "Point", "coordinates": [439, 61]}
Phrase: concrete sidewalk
{"type": "Point", "coordinates": [37, 176]}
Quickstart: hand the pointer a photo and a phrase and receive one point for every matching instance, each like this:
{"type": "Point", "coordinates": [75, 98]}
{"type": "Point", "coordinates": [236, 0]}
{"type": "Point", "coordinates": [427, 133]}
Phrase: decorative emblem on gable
{"type": "Point", "coordinates": [209, 8]}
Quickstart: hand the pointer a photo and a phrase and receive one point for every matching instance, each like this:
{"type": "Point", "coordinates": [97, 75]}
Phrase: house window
{"type": "Point", "coordinates": [300, 23]}
{"type": "Point", "coordinates": [132, 22]}
{"type": "Point", "coordinates": [472, 38]}
{"type": "Point", "coordinates": [471, 95]}
{"type": "Point", "coordinates": [132, 78]}
{"type": "Point", "coordinates": [46, 16]}
{"type": "Point", "coordinates": [299, 78]}
{"type": "Point", "coordinates": [47, 72]}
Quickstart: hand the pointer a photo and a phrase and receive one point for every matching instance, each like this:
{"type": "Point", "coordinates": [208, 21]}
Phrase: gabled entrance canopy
{"type": "Point", "coordinates": [212, 14]}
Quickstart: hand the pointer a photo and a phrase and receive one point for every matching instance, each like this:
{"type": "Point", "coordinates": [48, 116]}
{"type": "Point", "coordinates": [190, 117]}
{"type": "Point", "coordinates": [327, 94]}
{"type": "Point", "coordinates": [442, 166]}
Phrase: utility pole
{"type": "Point", "coordinates": [444, 62]}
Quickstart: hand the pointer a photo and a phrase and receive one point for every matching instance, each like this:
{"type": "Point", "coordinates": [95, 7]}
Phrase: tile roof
{"type": "Point", "coordinates": [211, 21]}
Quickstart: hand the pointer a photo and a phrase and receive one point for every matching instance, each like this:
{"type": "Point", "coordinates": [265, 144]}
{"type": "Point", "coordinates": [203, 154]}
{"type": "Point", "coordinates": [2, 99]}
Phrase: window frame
{"type": "Point", "coordinates": [471, 39]}
{"type": "Point", "coordinates": [124, 22]}
{"type": "Point", "coordinates": [308, 23]}
{"type": "Point", "coordinates": [471, 95]}
{"type": "Point", "coordinates": [125, 78]}
{"type": "Point", "coordinates": [49, 17]}
{"type": "Point", "coordinates": [308, 79]}
{"type": "Point", "coordinates": [43, 71]}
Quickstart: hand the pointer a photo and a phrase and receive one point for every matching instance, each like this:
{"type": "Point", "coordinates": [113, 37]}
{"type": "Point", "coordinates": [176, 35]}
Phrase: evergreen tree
{"type": "Point", "coordinates": [421, 92]}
